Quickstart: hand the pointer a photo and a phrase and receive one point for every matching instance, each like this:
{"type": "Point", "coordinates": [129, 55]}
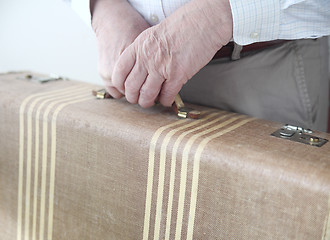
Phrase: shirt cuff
{"type": "Point", "coordinates": [255, 20]}
{"type": "Point", "coordinates": [81, 7]}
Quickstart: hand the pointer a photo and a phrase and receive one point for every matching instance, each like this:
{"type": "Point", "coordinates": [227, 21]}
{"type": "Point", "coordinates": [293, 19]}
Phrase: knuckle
{"type": "Point", "coordinates": [147, 93]}
{"type": "Point", "coordinates": [105, 75]}
{"type": "Point", "coordinates": [167, 100]}
{"type": "Point", "coordinates": [131, 86]}
{"type": "Point", "coordinates": [116, 83]}
{"type": "Point", "coordinates": [109, 90]}
{"type": "Point", "coordinates": [168, 92]}
{"type": "Point", "coordinates": [131, 98]}
{"type": "Point", "coordinates": [113, 92]}
{"type": "Point", "coordinates": [120, 66]}
{"type": "Point", "coordinates": [108, 84]}
{"type": "Point", "coordinates": [167, 96]}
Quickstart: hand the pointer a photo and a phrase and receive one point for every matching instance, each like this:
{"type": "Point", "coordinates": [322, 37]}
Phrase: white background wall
{"type": "Point", "coordinates": [46, 36]}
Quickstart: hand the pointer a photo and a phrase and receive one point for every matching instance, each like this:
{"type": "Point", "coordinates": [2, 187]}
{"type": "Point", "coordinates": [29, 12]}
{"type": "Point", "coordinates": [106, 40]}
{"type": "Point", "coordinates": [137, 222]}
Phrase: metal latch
{"type": "Point", "coordinates": [43, 79]}
{"type": "Point", "coordinates": [299, 134]}
{"type": "Point", "coordinates": [101, 94]}
{"type": "Point", "coordinates": [178, 105]}
{"type": "Point", "coordinates": [182, 111]}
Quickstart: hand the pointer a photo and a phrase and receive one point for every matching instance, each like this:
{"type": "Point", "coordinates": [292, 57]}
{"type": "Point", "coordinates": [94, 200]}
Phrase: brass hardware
{"type": "Point", "coordinates": [298, 134]}
{"type": "Point", "coordinates": [182, 114]}
{"type": "Point", "coordinates": [42, 79]}
{"type": "Point", "coordinates": [182, 111]}
{"type": "Point", "coordinates": [178, 101]}
{"type": "Point", "coordinates": [297, 128]}
{"type": "Point", "coordinates": [314, 140]}
{"type": "Point", "coordinates": [101, 94]}
{"type": "Point", "coordinates": [178, 105]}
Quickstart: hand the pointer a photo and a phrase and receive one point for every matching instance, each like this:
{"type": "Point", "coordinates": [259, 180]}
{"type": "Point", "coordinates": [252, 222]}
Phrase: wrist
{"type": "Point", "coordinates": [211, 19]}
{"type": "Point", "coordinates": [102, 12]}
{"type": "Point", "coordinates": [115, 16]}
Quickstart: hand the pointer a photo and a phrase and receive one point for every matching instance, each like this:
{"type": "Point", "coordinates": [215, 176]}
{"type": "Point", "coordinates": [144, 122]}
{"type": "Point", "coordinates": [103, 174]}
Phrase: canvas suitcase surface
{"type": "Point", "coordinates": [76, 167]}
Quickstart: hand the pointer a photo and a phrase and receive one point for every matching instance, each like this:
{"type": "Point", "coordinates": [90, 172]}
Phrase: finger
{"type": "Point", "coordinates": [168, 92]}
{"type": "Point", "coordinates": [133, 83]}
{"type": "Point", "coordinates": [150, 90]}
{"type": "Point", "coordinates": [108, 85]}
{"type": "Point", "coordinates": [122, 68]}
{"type": "Point", "coordinates": [113, 91]}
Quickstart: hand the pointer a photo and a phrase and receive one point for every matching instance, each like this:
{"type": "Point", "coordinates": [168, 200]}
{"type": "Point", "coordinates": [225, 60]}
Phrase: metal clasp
{"type": "Point", "coordinates": [39, 79]}
{"type": "Point", "coordinates": [101, 94]}
{"type": "Point", "coordinates": [178, 105]}
{"type": "Point", "coordinates": [182, 111]}
{"type": "Point", "coordinates": [299, 134]}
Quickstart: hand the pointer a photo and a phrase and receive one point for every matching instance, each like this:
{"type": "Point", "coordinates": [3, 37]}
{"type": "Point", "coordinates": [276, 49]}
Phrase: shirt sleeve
{"type": "Point", "coordinates": [265, 20]}
{"type": "Point", "coordinates": [81, 7]}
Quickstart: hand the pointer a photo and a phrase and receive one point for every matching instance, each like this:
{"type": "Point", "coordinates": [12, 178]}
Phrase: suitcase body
{"type": "Point", "coordinates": [75, 167]}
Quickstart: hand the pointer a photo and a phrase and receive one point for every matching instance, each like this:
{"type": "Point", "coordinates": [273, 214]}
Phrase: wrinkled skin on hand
{"type": "Point", "coordinates": [114, 34]}
{"type": "Point", "coordinates": [164, 57]}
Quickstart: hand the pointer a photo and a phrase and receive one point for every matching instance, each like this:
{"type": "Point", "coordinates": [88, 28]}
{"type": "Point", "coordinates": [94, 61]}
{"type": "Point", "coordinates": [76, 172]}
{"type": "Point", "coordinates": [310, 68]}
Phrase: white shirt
{"type": "Point", "coordinates": [253, 20]}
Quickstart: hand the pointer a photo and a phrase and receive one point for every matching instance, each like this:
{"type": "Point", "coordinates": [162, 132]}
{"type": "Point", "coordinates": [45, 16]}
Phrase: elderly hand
{"type": "Point", "coordinates": [114, 34]}
{"type": "Point", "coordinates": [166, 56]}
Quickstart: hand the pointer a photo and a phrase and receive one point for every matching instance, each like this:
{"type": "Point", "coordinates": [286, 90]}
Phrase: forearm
{"type": "Point", "coordinates": [211, 19]}
{"type": "Point", "coordinates": [115, 16]}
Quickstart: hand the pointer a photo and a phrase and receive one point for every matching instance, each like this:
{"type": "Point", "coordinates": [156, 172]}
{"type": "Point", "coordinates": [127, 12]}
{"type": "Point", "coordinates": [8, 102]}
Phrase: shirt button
{"type": "Point", "coordinates": [154, 18]}
{"type": "Point", "coordinates": [254, 35]}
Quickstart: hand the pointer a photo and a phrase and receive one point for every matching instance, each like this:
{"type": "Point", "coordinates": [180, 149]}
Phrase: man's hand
{"type": "Point", "coordinates": [166, 56]}
{"type": "Point", "coordinates": [116, 25]}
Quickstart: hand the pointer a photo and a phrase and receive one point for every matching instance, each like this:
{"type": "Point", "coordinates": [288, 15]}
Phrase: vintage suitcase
{"type": "Point", "coordinates": [76, 167]}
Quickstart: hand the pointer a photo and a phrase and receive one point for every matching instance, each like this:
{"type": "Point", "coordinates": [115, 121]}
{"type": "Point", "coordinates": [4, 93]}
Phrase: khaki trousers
{"type": "Point", "coordinates": [286, 83]}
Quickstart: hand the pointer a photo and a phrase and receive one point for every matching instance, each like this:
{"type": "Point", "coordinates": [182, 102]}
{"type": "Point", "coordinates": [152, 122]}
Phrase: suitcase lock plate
{"type": "Point", "coordinates": [39, 79]}
{"type": "Point", "coordinates": [299, 134]}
